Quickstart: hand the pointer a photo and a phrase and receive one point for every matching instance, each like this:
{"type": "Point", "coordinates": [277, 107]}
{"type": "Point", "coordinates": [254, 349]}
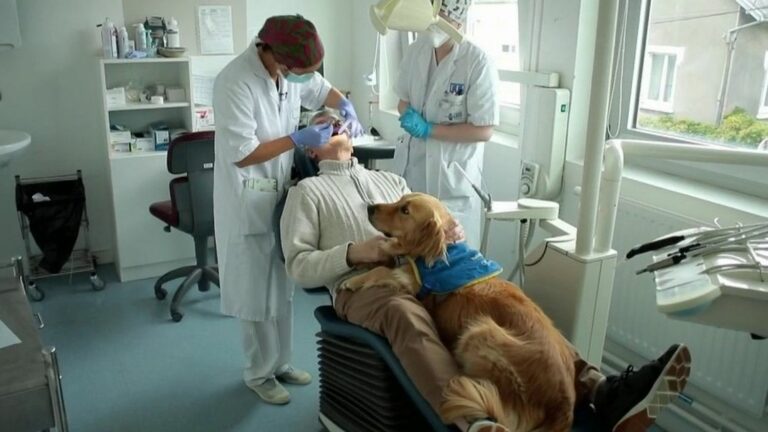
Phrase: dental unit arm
{"type": "Point", "coordinates": [411, 15]}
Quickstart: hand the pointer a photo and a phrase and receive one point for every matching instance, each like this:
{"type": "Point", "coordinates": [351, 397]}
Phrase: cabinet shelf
{"type": "Point", "coordinates": [137, 154]}
{"type": "Point", "coordinates": [148, 106]}
{"type": "Point", "coordinates": [146, 60]}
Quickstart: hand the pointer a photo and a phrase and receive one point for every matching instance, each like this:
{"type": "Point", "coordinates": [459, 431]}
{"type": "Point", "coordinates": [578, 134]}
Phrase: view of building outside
{"type": "Point", "coordinates": [705, 72]}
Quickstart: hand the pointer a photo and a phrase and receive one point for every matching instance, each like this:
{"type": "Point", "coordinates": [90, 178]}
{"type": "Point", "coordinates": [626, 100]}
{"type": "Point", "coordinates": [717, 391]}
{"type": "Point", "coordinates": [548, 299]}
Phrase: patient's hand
{"type": "Point", "coordinates": [454, 232]}
{"type": "Point", "coordinates": [371, 252]}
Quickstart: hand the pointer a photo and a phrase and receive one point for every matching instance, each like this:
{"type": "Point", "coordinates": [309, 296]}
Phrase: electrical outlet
{"type": "Point", "coordinates": [528, 179]}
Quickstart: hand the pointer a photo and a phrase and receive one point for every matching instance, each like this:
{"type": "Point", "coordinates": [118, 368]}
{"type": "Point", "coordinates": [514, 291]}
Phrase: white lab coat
{"type": "Point", "coordinates": [249, 110]}
{"type": "Point", "coordinates": [466, 68]}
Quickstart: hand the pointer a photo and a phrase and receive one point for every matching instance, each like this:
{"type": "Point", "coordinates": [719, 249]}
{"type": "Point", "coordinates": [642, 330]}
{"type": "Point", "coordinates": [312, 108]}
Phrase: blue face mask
{"type": "Point", "coordinates": [298, 79]}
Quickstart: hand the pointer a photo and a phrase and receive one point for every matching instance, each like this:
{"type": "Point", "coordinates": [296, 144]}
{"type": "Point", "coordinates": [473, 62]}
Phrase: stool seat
{"type": "Point", "coordinates": [166, 212]}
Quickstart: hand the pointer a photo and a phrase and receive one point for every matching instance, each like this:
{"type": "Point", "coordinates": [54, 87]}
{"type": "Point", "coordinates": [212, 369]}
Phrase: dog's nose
{"type": "Point", "coordinates": [371, 210]}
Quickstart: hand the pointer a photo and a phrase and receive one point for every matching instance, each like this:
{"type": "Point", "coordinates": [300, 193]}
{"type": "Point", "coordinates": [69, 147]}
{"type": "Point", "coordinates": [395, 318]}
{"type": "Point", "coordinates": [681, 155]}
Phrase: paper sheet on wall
{"type": "Point", "coordinates": [214, 26]}
{"type": "Point", "coordinates": [203, 89]}
{"type": "Point", "coordinates": [7, 338]}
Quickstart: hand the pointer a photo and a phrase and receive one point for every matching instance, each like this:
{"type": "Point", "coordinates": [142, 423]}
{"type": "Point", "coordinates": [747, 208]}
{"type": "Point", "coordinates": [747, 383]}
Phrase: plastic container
{"type": "Point", "coordinates": [139, 37]}
{"type": "Point", "coordinates": [122, 43]}
{"type": "Point", "coordinates": [109, 39]}
{"type": "Point", "coordinates": [172, 34]}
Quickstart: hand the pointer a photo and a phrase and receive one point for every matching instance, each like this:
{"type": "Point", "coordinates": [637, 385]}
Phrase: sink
{"type": "Point", "coordinates": [12, 142]}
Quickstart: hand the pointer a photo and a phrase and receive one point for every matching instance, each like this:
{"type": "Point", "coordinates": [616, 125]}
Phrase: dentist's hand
{"type": "Point", "coordinates": [413, 123]}
{"type": "Point", "coordinates": [312, 136]}
{"type": "Point", "coordinates": [351, 122]}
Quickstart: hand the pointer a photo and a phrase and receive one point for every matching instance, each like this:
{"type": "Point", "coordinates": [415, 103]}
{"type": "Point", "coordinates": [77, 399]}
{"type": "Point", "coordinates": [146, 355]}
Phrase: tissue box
{"type": "Point", "coordinates": [203, 118]}
{"type": "Point", "coordinates": [175, 94]}
{"type": "Point", "coordinates": [161, 139]}
{"type": "Point", "coordinates": [116, 97]}
{"type": "Point", "coordinates": [116, 137]}
{"type": "Point", "coordinates": [123, 147]}
{"type": "Point", "coordinates": [143, 144]}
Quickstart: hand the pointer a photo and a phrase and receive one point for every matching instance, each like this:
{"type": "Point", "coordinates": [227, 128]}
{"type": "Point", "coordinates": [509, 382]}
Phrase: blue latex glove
{"type": "Point", "coordinates": [413, 123]}
{"type": "Point", "coordinates": [312, 136]}
{"type": "Point", "coordinates": [351, 122]}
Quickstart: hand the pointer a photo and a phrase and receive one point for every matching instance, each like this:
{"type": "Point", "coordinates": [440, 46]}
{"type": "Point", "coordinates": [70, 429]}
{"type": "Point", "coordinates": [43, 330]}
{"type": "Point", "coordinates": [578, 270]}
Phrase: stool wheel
{"type": "Point", "coordinates": [35, 293]}
{"type": "Point", "coordinates": [176, 316]}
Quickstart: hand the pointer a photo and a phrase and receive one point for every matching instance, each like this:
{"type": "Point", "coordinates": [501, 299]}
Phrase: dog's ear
{"type": "Point", "coordinates": [429, 243]}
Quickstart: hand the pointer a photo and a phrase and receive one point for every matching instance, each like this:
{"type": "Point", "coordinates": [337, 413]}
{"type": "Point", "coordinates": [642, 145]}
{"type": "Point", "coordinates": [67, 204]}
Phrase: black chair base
{"type": "Point", "coordinates": [202, 276]}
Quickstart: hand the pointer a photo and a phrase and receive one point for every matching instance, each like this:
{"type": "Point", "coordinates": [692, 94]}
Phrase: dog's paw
{"type": "Point", "coordinates": [352, 284]}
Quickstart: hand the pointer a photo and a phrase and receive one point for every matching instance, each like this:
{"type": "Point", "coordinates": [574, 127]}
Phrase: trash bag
{"type": "Point", "coordinates": [55, 215]}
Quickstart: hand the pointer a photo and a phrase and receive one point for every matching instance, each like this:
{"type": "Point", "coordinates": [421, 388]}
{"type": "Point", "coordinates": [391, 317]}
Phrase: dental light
{"type": "Point", "coordinates": [411, 15]}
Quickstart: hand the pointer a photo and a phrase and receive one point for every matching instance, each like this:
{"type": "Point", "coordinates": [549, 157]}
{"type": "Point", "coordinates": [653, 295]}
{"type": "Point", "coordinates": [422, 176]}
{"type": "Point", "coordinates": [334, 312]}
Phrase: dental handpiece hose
{"type": "Point", "coordinates": [484, 196]}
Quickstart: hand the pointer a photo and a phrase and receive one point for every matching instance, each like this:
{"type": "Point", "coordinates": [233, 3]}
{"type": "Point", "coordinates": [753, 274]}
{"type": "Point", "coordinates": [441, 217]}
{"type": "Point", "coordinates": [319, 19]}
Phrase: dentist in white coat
{"type": "Point", "coordinates": [257, 100]}
{"type": "Point", "coordinates": [448, 106]}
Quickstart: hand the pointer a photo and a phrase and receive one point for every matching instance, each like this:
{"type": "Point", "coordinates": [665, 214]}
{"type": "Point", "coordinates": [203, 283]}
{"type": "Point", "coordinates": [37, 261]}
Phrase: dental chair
{"type": "Point", "coordinates": [189, 210]}
{"type": "Point", "coordinates": [363, 386]}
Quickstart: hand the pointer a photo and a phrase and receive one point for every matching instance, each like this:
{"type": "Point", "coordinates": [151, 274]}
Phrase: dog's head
{"type": "Point", "coordinates": [418, 222]}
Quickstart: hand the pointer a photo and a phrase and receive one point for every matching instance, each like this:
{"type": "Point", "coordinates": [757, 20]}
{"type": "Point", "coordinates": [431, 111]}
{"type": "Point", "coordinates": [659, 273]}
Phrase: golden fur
{"type": "Point", "coordinates": [516, 365]}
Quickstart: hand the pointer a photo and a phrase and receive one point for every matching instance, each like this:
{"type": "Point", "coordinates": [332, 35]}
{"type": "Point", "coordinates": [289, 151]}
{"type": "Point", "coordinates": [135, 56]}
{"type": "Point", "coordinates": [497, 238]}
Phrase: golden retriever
{"type": "Point", "coordinates": [516, 366]}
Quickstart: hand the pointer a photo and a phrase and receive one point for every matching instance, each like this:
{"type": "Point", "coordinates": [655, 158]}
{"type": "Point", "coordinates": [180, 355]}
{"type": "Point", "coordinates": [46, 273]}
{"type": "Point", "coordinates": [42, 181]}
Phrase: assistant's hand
{"type": "Point", "coordinates": [351, 122]}
{"type": "Point", "coordinates": [454, 232]}
{"type": "Point", "coordinates": [312, 136]}
{"type": "Point", "coordinates": [375, 250]}
{"type": "Point", "coordinates": [415, 124]}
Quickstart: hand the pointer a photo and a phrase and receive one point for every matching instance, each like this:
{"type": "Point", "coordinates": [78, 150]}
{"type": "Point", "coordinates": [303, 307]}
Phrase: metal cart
{"type": "Point", "coordinates": [62, 198]}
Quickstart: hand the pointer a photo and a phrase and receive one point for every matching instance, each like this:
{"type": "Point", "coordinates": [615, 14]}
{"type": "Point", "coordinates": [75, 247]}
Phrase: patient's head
{"type": "Point", "coordinates": [339, 147]}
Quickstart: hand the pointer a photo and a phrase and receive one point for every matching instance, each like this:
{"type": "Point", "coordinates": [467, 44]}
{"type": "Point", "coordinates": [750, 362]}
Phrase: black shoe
{"type": "Point", "coordinates": [631, 401]}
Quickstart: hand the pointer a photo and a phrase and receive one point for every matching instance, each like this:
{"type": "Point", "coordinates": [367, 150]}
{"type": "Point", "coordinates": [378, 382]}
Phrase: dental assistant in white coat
{"type": "Point", "coordinates": [448, 106]}
{"type": "Point", "coordinates": [257, 100]}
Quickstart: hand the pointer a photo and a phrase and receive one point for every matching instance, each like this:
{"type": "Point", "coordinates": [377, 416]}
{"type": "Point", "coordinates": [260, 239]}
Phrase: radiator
{"type": "Point", "coordinates": [726, 364]}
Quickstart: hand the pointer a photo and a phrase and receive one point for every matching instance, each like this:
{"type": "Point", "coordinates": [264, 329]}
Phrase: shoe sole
{"type": "Point", "coordinates": [667, 387]}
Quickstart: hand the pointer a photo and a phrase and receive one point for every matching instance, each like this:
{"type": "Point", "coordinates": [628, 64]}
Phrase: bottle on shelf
{"type": "Point", "coordinates": [139, 37]}
{"type": "Point", "coordinates": [122, 42]}
{"type": "Point", "coordinates": [108, 39]}
{"type": "Point", "coordinates": [172, 34]}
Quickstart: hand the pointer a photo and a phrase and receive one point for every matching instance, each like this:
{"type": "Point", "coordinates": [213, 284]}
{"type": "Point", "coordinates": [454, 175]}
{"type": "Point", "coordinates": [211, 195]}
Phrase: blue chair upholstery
{"type": "Point", "coordinates": [357, 338]}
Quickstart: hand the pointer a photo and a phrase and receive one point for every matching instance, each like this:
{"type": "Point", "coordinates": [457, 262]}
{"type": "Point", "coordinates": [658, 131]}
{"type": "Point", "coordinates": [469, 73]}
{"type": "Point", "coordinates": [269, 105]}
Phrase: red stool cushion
{"type": "Point", "coordinates": [166, 212]}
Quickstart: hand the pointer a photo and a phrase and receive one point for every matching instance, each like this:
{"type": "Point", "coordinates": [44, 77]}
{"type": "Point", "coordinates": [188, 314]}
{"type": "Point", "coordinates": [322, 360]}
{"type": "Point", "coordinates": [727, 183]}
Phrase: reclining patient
{"type": "Point", "coordinates": [327, 238]}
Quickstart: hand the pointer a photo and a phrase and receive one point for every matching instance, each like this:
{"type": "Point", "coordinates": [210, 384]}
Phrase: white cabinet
{"type": "Point", "coordinates": [140, 178]}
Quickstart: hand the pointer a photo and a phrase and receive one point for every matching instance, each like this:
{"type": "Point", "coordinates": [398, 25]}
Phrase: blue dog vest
{"type": "Point", "coordinates": [463, 267]}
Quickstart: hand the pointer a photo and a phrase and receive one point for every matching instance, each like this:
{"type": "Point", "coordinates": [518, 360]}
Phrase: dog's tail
{"type": "Point", "coordinates": [487, 350]}
{"type": "Point", "coordinates": [468, 398]}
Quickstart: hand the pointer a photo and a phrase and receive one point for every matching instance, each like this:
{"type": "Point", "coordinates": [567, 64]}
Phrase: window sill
{"type": "Point", "coordinates": [688, 197]}
{"type": "Point", "coordinates": [650, 106]}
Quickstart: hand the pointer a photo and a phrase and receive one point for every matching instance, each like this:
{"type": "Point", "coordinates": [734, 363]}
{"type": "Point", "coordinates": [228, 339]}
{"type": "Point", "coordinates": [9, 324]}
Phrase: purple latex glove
{"type": "Point", "coordinates": [312, 136]}
{"type": "Point", "coordinates": [351, 122]}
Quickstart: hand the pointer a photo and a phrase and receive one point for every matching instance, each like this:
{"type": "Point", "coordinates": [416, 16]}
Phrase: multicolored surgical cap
{"type": "Point", "coordinates": [294, 41]}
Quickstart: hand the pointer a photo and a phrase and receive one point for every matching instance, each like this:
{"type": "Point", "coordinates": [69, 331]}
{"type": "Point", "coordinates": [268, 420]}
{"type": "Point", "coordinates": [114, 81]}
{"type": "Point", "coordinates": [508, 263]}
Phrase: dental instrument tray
{"type": "Point", "coordinates": [717, 277]}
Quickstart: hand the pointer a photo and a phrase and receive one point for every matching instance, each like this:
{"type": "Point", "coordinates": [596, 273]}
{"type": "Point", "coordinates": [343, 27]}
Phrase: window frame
{"type": "Point", "coordinates": [762, 111]}
{"type": "Point", "coordinates": [509, 113]}
{"type": "Point", "coordinates": [750, 181]}
{"type": "Point", "coordinates": [667, 52]}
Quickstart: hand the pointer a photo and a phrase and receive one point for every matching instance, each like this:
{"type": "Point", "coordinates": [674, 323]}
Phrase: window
{"type": "Point", "coordinates": [659, 78]}
{"type": "Point", "coordinates": [694, 82]}
{"type": "Point", "coordinates": [488, 25]}
{"type": "Point", "coordinates": [762, 112]}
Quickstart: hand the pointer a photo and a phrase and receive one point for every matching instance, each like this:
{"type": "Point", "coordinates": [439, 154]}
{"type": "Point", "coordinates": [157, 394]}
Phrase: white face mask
{"type": "Point", "coordinates": [436, 36]}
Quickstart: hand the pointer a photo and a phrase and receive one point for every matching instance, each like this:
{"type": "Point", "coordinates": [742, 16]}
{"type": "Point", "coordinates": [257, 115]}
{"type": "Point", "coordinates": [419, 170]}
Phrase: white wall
{"type": "Point", "coordinates": [50, 90]}
{"type": "Point", "coordinates": [185, 12]}
{"type": "Point", "coordinates": [331, 17]}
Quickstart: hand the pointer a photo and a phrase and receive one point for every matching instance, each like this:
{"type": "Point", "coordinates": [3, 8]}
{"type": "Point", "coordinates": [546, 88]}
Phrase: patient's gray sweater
{"type": "Point", "coordinates": [324, 214]}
